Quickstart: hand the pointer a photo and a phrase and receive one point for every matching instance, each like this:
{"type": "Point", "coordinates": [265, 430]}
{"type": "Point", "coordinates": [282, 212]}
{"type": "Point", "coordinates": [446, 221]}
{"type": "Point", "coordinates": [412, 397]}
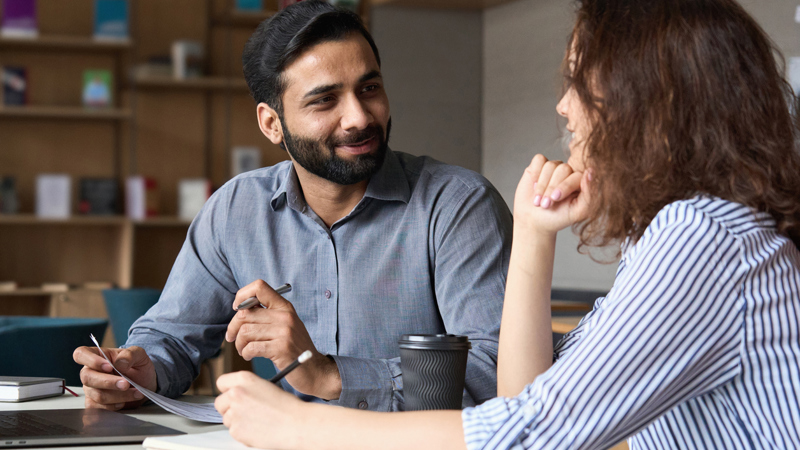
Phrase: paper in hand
{"type": "Point", "coordinates": [202, 412]}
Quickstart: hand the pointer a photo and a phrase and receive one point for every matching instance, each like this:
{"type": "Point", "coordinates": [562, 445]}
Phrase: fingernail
{"type": "Point", "coordinates": [545, 202]}
{"type": "Point", "coordinates": [227, 337]}
{"type": "Point", "coordinates": [138, 395]}
{"type": "Point", "coordinates": [121, 384]}
{"type": "Point", "coordinates": [107, 367]}
{"type": "Point", "coordinates": [123, 364]}
{"type": "Point", "coordinates": [537, 200]}
{"type": "Point", "coordinates": [119, 405]}
{"type": "Point", "coordinates": [589, 175]}
{"type": "Point", "coordinates": [534, 184]}
{"type": "Point", "coordinates": [556, 195]}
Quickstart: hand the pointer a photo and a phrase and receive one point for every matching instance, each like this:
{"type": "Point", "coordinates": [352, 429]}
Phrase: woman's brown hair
{"type": "Point", "coordinates": [685, 97]}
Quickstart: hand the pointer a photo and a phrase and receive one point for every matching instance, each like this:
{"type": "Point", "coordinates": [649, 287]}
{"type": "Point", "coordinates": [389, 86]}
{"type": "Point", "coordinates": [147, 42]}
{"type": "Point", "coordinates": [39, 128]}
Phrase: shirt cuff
{"type": "Point", "coordinates": [498, 423]}
{"type": "Point", "coordinates": [366, 383]}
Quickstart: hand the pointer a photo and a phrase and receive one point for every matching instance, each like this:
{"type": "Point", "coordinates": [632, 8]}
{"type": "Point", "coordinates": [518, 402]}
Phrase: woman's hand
{"type": "Point", "coordinates": [550, 196]}
{"type": "Point", "coordinates": [258, 413]}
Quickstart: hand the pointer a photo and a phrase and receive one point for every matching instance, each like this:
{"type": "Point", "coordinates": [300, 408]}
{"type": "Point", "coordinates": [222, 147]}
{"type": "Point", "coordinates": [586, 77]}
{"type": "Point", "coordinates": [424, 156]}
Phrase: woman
{"type": "Point", "coordinates": [684, 150]}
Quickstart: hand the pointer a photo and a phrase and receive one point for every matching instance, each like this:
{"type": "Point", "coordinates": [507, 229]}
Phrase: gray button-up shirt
{"type": "Point", "coordinates": [425, 251]}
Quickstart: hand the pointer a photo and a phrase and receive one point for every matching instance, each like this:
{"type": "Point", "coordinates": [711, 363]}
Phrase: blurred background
{"type": "Point", "coordinates": [120, 117]}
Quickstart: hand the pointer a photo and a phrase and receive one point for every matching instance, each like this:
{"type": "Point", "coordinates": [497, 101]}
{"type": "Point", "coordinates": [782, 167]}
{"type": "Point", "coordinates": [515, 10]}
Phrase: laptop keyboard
{"type": "Point", "coordinates": [25, 424]}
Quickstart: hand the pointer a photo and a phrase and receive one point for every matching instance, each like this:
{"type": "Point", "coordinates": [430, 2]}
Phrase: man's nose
{"type": "Point", "coordinates": [355, 115]}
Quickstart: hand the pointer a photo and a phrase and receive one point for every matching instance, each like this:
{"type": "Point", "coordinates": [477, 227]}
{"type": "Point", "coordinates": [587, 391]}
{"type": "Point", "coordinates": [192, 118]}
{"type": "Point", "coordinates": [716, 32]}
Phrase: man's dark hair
{"type": "Point", "coordinates": [280, 40]}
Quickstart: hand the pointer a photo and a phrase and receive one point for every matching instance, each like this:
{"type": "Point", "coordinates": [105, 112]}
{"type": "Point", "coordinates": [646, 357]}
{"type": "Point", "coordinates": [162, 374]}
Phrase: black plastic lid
{"type": "Point", "coordinates": [434, 342]}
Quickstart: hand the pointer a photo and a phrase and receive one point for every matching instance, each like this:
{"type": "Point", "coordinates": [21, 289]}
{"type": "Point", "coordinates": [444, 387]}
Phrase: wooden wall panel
{"type": "Point", "coordinates": [154, 253]}
{"type": "Point", "coordinates": [160, 22]}
{"type": "Point", "coordinates": [59, 252]}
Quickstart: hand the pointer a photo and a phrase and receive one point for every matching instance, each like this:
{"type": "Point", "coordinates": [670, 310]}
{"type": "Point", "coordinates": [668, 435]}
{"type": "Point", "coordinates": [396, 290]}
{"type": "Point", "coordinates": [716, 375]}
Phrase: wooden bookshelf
{"type": "Point", "coordinates": [243, 18]}
{"type": "Point", "coordinates": [443, 4]}
{"type": "Point", "coordinates": [65, 42]}
{"type": "Point", "coordinates": [64, 112]}
{"type": "Point", "coordinates": [203, 83]}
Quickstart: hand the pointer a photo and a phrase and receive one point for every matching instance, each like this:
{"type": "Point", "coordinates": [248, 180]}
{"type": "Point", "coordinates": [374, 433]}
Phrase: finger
{"type": "Point", "coordinates": [222, 402]}
{"type": "Point", "coordinates": [535, 167]}
{"type": "Point", "coordinates": [561, 173]}
{"type": "Point", "coordinates": [229, 380]}
{"type": "Point", "coordinates": [265, 294]}
{"type": "Point", "coordinates": [544, 180]}
{"type": "Point", "coordinates": [565, 188]}
{"type": "Point", "coordinates": [580, 211]}
{"type": "Point", "coordinates": [100, 380]}
{"type": "Point", "coordinates": [112, 397]}
{"type": "Point", "coordinates": [91, 357]}
{"type": "Point", "coordinates": [126, 358]}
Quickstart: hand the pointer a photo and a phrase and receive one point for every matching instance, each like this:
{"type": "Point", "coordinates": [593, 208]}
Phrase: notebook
{"type": "Point", "coordinates": [20, 389]}
{"type": "Point", "coordinates": [49, 427]}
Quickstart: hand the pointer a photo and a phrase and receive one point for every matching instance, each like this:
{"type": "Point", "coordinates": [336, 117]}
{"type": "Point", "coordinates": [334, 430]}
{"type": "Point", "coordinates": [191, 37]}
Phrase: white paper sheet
{"type": "Point", "coordinates": [219, 440]}
{"type": "Point", "coordinates": [202, 412]}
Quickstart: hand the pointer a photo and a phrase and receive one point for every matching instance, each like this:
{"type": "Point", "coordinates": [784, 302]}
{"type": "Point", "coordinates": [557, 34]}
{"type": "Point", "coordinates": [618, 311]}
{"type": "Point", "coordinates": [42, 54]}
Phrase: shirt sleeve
{"type": "Point", "coordinates": [188, 323]}
{"type": "Point", "coordinates": [472, 239]}
{"type": "Point", "coordinates": [669, 330]}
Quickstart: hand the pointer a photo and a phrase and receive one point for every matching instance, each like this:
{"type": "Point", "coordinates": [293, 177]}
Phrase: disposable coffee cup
{"type": "Point", "coordinates": [434, 366]}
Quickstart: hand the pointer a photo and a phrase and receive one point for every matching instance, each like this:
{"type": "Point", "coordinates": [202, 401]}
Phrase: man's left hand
{"type": "Point", "coordinates": [278, 333]}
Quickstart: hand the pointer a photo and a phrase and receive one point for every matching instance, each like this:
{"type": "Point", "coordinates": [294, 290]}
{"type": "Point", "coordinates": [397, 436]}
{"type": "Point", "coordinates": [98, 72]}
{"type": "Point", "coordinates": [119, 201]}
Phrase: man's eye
{"type": "Point", "coordinates": [371, 87]}
{"type": "Point", "coordinates": [323, 100]}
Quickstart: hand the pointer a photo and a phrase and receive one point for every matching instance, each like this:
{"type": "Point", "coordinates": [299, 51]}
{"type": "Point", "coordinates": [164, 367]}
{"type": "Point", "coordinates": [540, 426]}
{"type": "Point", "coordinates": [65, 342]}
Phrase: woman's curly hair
{"type": "Point", "coordinates": [685, 97]}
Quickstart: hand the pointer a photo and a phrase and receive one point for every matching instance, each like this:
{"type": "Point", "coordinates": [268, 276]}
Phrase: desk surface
{"type": "Point", "coordinates": [565, 324]}
{"type": "Point", "coordinates": [150, 413]}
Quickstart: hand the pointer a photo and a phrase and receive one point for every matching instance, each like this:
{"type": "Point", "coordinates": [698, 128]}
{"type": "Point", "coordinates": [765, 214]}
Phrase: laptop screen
{"type": "Point", "coordinates": [74, 426]}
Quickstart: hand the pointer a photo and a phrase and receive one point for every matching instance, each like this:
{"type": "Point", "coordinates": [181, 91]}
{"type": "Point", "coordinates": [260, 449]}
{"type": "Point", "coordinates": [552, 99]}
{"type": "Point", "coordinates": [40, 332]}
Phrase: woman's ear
{"type": "Point", "coordinates": [270, 123]}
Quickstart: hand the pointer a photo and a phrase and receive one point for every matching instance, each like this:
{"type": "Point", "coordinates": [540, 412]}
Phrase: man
{"type": "Point", "coordinates": [374, 243]}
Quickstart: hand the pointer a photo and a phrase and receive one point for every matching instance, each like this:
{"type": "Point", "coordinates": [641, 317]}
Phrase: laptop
{"type": "Point", "coordinates": [50, 427]}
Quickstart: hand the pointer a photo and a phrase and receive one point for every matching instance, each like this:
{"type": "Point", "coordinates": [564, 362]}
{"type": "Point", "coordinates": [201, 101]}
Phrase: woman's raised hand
{"type": "Point", "coordinates": [551, 196]}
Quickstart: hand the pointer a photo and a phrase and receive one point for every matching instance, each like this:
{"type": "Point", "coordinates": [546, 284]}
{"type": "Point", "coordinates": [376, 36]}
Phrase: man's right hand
{"type": "Point", "coordinates": [107, 390]}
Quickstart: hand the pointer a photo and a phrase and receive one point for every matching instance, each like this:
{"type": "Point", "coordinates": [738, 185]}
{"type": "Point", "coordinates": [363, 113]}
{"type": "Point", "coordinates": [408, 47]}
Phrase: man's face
{"type": "Point", "coordinates": [335, 111]}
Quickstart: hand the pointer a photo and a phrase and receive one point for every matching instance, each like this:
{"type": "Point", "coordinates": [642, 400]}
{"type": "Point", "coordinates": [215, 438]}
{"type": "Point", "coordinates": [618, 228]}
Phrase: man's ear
{"type": "Point", "coordinates": [270, 123]}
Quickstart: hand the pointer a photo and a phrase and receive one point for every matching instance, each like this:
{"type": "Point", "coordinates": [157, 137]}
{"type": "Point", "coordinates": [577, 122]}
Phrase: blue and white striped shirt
{"type": "Point", "coordinates": [697, 345]}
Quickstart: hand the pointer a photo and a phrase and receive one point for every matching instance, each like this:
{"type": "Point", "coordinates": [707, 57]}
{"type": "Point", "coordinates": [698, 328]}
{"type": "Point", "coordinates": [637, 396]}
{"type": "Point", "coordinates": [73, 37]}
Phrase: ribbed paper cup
{"type": "Point", "coordinates": [433, 367]}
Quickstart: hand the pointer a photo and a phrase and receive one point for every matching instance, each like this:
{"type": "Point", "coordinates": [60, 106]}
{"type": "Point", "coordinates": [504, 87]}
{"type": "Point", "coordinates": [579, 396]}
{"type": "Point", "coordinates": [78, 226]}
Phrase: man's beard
{"type": "Point", "coordinates": [320, 158]}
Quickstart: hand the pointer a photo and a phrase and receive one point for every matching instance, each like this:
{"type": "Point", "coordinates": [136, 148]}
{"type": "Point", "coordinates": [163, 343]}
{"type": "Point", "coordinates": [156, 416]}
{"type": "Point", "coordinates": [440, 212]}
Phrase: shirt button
{"type": "Point", "coordinates": [327, 294]}
{"type": "Point", "coordinates": [529, 411]}
{"type": "Point", "coordinates": [363, 404]}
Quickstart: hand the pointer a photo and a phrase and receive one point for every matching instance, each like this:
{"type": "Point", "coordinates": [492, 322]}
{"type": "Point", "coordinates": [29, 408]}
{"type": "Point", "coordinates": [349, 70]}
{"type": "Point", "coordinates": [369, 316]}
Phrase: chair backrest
{"type": "Point", "coordinates": [43, 346]}
{"type": "Point", "coordinates": [124, 306]}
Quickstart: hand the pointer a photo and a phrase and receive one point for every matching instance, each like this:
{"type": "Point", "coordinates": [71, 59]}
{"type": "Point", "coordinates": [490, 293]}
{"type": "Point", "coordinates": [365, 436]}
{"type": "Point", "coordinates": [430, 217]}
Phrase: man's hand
{"type": "Point", "coordinates": [103, 388]}
{"type": "Point", "coordinates": [278, 333]}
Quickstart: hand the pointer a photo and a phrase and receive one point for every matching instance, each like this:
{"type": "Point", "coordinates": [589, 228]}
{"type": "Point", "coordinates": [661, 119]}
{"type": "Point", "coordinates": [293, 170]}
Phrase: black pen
{"type": "Point", "coordinates": [253, 301]}
{"type": "Point", "coordinates": [305, 356]}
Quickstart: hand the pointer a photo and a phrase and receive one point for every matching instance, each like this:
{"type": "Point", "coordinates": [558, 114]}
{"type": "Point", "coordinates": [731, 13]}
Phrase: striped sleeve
{"type": "Point", "coordinates": [669, 330]}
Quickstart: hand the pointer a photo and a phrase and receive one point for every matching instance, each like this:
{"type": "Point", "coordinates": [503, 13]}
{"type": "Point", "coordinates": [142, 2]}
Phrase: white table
{"type": "Point", "coordinates": [150, 413]}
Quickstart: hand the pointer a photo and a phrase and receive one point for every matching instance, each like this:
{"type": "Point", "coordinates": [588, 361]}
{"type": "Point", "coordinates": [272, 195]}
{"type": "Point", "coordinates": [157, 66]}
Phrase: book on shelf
{"type": "Point", "coordinates": [141, 197]}
{"type": "Point", "coordinates": [19, 19]}
{"type": "Point", "coordinates": [8, 286]}
{"type": "Point", "coordinates": [15, 85]}
{"type": "Point", "coordinates": [245, 159]}
{"type": "Point", "coordinates": [249, 6]}
{"type": "Point", "coordinates": [20, 389]}
{"type": "Point", "coordinates": [9, 201]}
{"type": "Point", "coordinates": [111, 20]}
{"type": "Point", "coordinates": [97, 88]}
{"type": "Point", "coordinates": [192, 195]}
{"type": "Point", "coordinates": [55, 287]}
{"type": "Point", "coordinates": [53, 196]}
{"type": "Point", "coordinates": [98, 285]}
{"type": "Point", "coordinates": [98, 196]}
{"type": "Point", "coordinates": [187, 59]}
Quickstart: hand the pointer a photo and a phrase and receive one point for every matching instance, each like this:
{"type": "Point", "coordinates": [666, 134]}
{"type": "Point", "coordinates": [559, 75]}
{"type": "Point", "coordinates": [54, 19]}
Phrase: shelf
{"type": "Point", "coordinates": [32, 219]}
{"type": "Point", "coordinates": [65, 43]}
{"type": "Point", "coordinates": [443, 4]}
{"type": "Point", "coordinates": [64, 112]}
{"type": "Point", "coordinates": [244, 19]}
{"type": "Point", "coordinates": [162, 222]}
{"type": "Point", "coordinates": [204, 83]}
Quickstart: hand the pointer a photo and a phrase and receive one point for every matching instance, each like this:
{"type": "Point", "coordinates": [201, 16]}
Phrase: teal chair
{"type": "Point", "coordinates": [263, 367]}
{"type": "Point", "coordinates": [43, 346]}
{"type": "Point", "coordinates": [124, 306]}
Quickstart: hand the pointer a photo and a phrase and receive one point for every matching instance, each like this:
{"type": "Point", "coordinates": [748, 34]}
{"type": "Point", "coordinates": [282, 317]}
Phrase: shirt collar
{"type": "Point", "coordinates": [389, 183]}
